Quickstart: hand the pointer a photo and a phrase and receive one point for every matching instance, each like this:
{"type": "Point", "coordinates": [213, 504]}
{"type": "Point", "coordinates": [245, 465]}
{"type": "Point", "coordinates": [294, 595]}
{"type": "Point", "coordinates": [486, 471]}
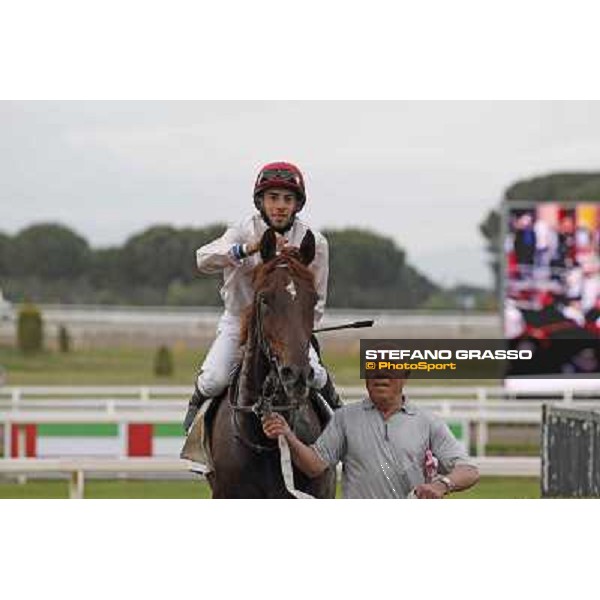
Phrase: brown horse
{"type": "Point", "coordinates": [274, 376]}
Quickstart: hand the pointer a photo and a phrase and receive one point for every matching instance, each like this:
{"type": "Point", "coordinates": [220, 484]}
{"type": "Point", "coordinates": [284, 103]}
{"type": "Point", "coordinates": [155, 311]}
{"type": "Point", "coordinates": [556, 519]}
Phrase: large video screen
{"type": "Point", "coordinates": [552, 286]}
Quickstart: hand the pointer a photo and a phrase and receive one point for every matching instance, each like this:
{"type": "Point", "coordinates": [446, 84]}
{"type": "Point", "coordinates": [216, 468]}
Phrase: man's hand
{"type": "Point", "coordinates": [431, 491]}
{"type": "Point", "coordinates": [275, 425]}
{"type": "Point", "coordinates": [303, 456]}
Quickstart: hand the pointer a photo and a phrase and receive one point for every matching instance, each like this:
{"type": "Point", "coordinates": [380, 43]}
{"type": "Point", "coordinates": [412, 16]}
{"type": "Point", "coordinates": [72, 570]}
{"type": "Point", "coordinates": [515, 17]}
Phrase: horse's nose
{"type": "Point", "coordinates": [294, 379]}
{"type": "Point", "coordinates": [300, 385]}
{"type": "Point", "coordinates": [288, 374]}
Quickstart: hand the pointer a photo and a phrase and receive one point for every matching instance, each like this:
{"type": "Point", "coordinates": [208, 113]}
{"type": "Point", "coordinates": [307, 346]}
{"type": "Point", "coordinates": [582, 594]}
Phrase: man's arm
{"type": "Point", "coordinates": [460, 472]}
{"type": "Point", "coordinates": [303, 456]}
{"type": "Point", "coordinates": [462, 477]}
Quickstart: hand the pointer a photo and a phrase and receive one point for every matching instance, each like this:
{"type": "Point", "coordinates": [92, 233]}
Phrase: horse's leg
{"type": "Point", "coordinates": [222, 447]}
{"type": "Point", "coordinates": [240, 472]}
{"type": "Point", "coordinates": [236, 468]}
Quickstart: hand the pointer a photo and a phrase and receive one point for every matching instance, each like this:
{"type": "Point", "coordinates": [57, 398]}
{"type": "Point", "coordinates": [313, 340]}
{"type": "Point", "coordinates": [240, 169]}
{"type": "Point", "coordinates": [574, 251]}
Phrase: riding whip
{"type": "Point", "coordinates": [354, 325]}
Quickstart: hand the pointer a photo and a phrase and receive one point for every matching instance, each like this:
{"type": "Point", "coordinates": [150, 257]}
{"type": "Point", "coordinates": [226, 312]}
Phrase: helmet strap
{"type": "Point", "coordinates": [281, 230]}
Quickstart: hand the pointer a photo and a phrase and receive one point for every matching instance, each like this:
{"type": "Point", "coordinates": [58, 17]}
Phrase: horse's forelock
{"type": "Point", "coordinates": [290, 258]}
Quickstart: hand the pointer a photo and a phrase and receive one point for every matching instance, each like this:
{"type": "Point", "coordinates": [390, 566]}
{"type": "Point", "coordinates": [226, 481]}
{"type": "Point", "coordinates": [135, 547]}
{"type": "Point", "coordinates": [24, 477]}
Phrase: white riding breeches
{"type": "Point", "coordinates": [226, 353]}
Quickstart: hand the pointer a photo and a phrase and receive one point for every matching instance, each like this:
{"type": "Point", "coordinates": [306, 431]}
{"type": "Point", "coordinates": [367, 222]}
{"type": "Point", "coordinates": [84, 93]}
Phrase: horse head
{"type": "Point", "coordinates": [283, 311]}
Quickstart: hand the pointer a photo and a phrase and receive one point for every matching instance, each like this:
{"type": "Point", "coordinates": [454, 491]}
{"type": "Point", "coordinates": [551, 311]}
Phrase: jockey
{"type": "Point", "coordinates": [279, 194]}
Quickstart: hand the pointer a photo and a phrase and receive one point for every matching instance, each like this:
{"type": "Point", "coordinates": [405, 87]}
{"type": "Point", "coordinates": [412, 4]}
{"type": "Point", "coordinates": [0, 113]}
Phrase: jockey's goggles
{"type": "Point", "coordinates": [279, 175]}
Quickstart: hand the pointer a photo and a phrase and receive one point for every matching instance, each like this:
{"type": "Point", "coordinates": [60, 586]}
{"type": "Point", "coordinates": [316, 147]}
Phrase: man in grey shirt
{"type": "Point", "coordinates": [383, 443]}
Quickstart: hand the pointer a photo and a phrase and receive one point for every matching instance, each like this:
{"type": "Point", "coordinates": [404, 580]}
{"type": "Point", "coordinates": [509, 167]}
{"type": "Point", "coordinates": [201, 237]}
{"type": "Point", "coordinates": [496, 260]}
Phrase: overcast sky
{"type": "Point", "coordinates": [424, 173]}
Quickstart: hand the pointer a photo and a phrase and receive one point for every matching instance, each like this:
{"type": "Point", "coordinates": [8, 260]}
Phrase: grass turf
{"type": "Point", "coordinates": [99, 366]}
{"type": "Point", "coordinates": [134, 366]}
{"type": "Point", "coordinates": [488, 487]}
{"type": "Point", "coordinates": [127, 366]}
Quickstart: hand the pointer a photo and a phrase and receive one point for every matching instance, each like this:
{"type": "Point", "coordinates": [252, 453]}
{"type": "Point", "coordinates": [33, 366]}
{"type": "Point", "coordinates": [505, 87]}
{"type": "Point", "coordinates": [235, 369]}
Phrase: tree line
{"type": "Point", "coordinates": [51, 263]}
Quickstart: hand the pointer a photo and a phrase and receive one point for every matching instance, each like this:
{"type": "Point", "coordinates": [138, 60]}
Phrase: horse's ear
{"type": "Point", "coordinates": [268, 245]}
{"type": "Point", "coordinates": [307, 248]}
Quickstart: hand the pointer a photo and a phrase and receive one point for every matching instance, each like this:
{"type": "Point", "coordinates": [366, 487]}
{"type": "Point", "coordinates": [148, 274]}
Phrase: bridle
{"type": "Point", "coordinates": [272, 387]}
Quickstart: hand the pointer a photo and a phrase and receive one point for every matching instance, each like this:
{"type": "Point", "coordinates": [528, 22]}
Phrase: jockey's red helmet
{"type": "Point", "coordinates": [280, 175]}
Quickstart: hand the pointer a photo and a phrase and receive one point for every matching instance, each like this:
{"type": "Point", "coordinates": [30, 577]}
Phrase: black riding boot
{"type": "Point", "coordinates": [330, 395]}
{"type": "Point", "coordinates": [196, 401]}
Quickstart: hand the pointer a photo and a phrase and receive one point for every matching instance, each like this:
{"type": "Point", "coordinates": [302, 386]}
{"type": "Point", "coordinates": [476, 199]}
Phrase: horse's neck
{"type": "Point", "coordinates": [251, 376]}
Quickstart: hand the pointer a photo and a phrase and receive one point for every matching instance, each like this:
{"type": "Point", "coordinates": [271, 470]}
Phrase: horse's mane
{"type": "Point", "coordinates": [290, 258]}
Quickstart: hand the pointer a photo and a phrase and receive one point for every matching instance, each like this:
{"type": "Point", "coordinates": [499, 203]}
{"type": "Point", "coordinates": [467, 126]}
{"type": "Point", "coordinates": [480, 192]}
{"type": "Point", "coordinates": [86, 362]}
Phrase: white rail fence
{"type": "Point", "coordinates": [123, 405]}
{"type": "Point", "coordinates": [155, 405]}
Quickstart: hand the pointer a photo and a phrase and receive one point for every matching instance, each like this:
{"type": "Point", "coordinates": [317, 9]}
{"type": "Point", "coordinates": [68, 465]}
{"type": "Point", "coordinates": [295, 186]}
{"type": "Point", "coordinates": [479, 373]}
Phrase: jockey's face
{"type": "Point", "coordinates": [279, 205]}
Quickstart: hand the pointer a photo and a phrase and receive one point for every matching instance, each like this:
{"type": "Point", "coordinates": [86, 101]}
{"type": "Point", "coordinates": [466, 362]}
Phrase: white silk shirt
{"type": "Point", "coordinates": [236, 291]}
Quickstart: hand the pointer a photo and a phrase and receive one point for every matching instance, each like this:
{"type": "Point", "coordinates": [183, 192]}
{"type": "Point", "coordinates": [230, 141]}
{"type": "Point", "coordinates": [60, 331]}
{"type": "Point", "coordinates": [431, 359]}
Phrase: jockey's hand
{"type": "Point", "coordinates": [275, 425]}
{"type": "Point", "coordinates": [281, 242]}
{"type": "Point", "coordinates": [253, 248]}
{"type": "Point", "coordinates": [431, 491]}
